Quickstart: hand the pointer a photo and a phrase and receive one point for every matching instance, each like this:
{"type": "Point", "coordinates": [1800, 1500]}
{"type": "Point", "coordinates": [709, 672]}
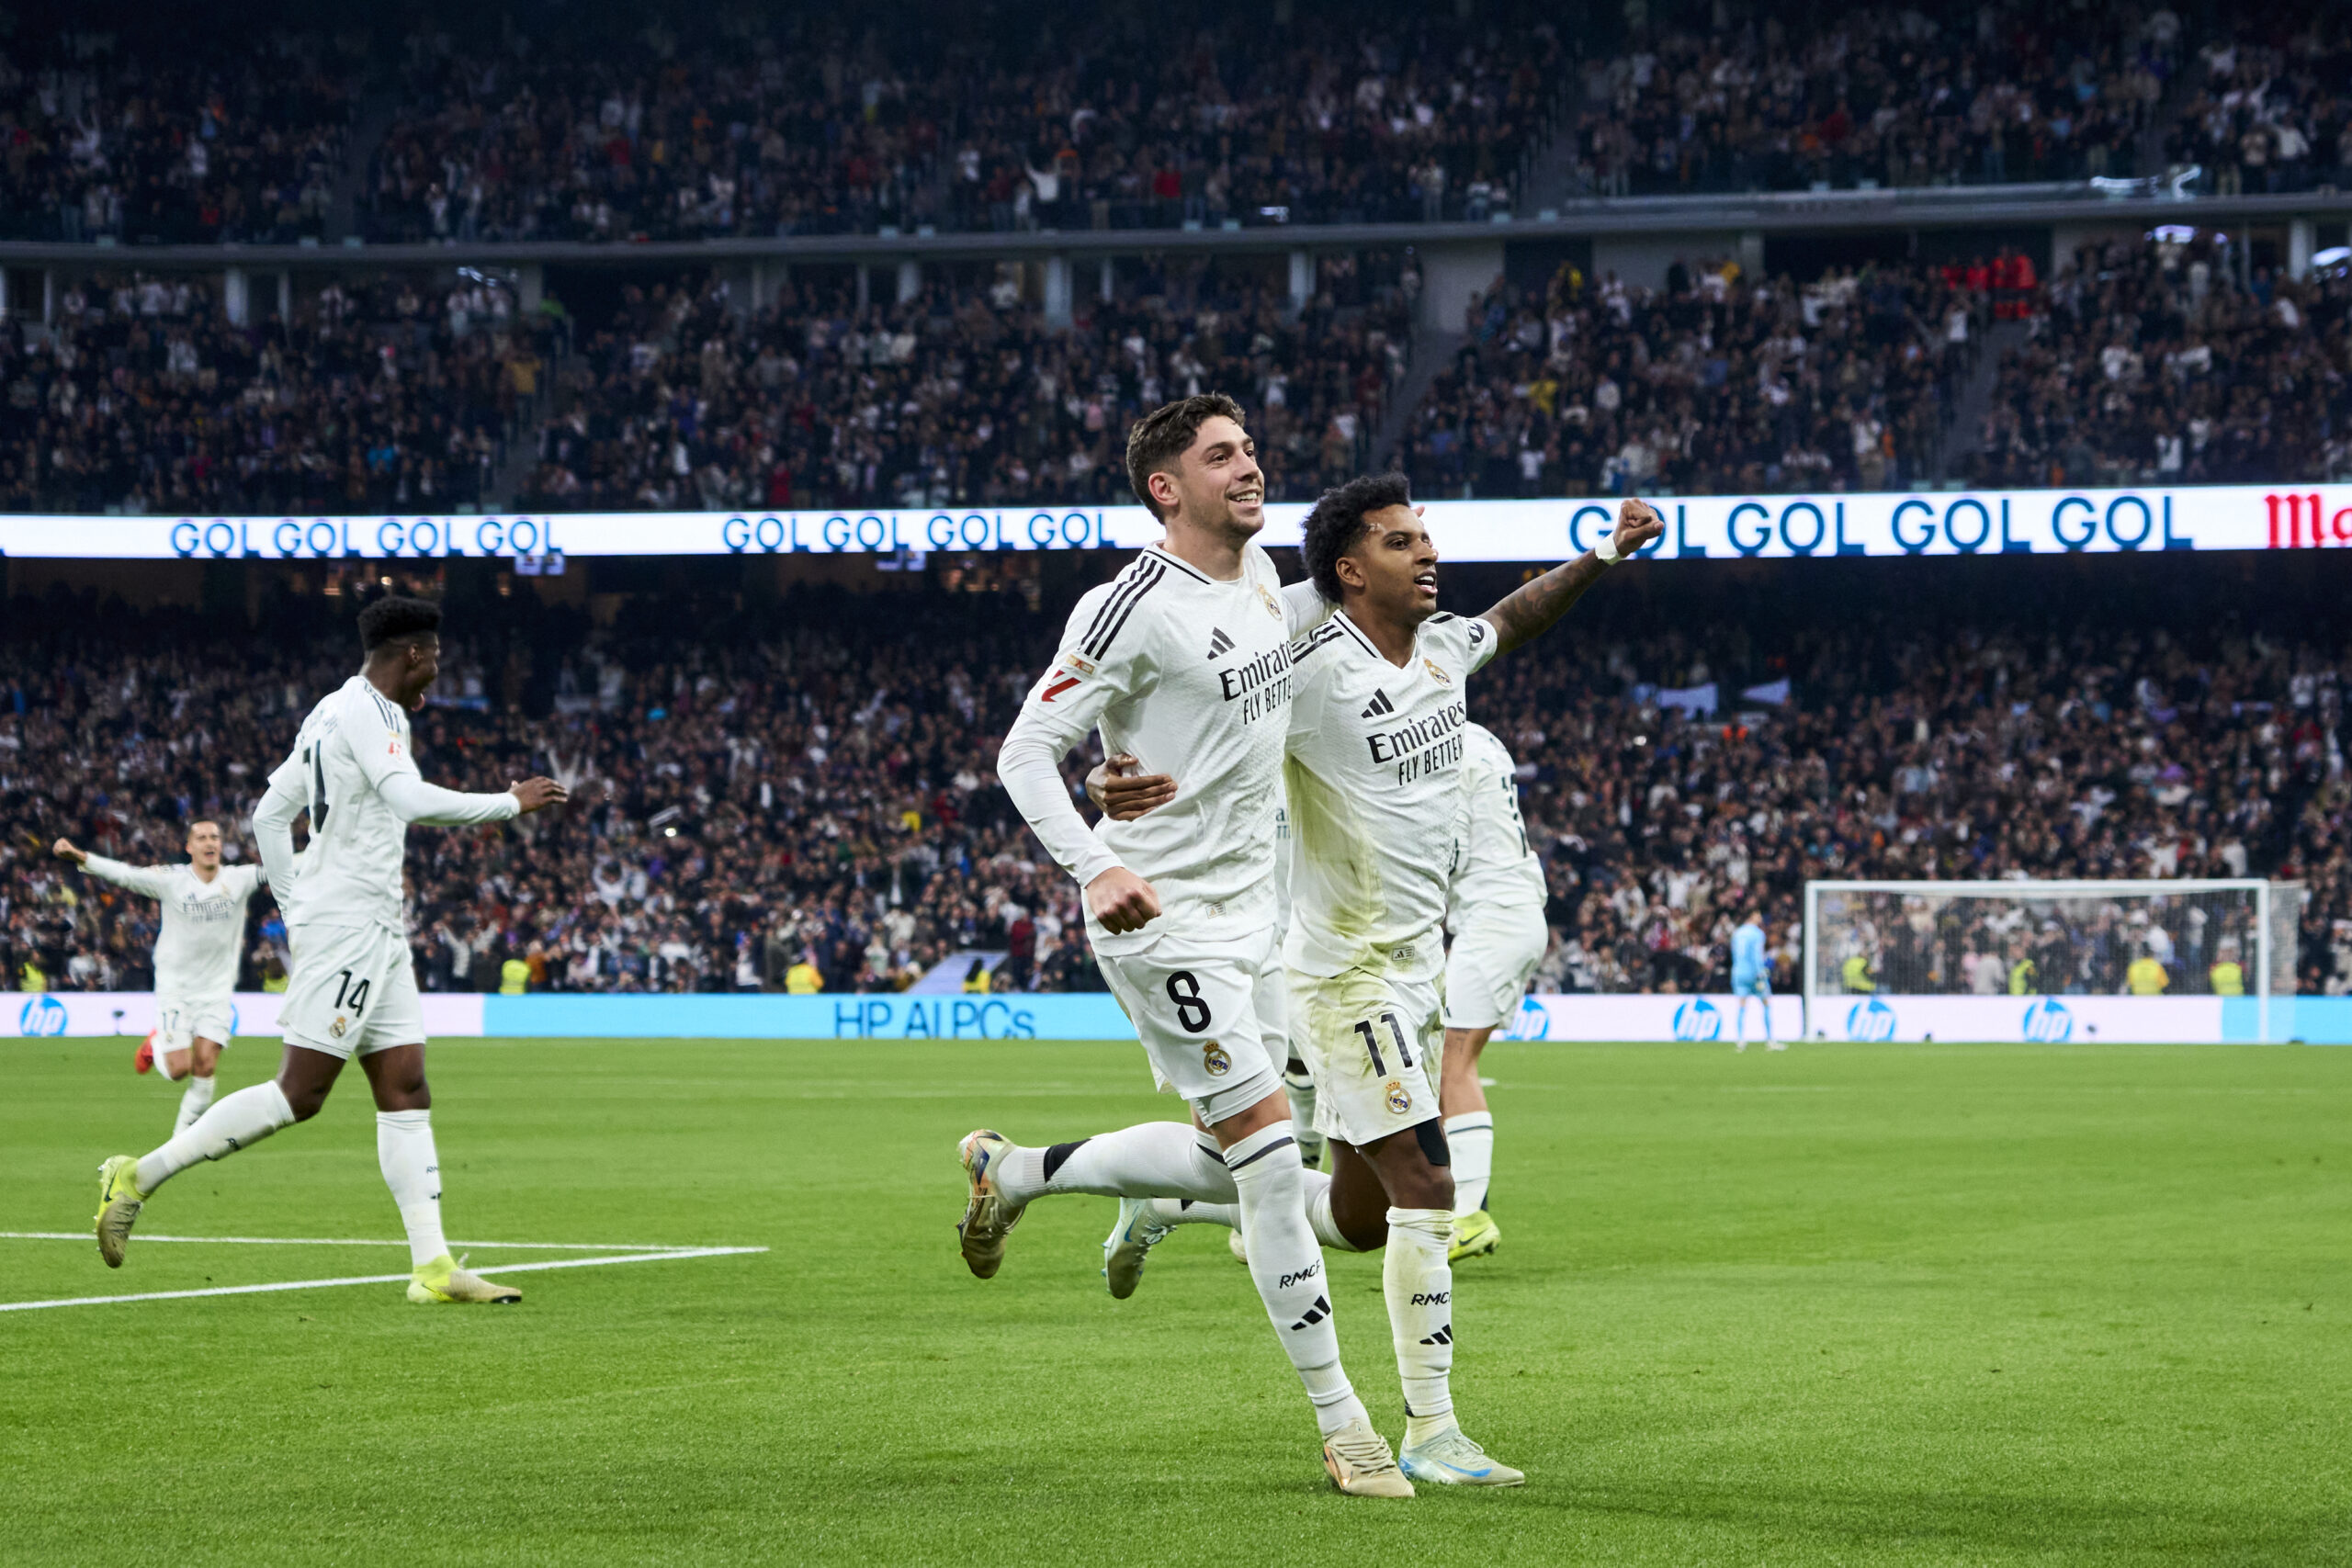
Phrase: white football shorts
{"type": "Point", "coordinates": [1374, 1044]}
{"type": "Point", "coordinates": [353, 991]}
{"type": "Point", "coordinates": [1494, 956]}
{"type": "Point", "coordinates": [181, 1022]}
{"type": "Point", "coordinates": [1196, 1008]}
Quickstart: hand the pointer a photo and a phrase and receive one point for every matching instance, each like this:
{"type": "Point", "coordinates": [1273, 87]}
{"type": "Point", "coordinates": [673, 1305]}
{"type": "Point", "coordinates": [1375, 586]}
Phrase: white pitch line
{"type": "Point", "coordinates": [347, 1241]}
{"type": "Point", "coordinates": [378, 1278]}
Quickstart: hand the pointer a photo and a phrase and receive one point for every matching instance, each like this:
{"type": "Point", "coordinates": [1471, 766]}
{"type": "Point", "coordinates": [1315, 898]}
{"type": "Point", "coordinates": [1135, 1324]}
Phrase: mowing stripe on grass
{"type": "Point", "coordinates": [380, 1278]}
{"type": "Point", "coordinates": [351, 1241]}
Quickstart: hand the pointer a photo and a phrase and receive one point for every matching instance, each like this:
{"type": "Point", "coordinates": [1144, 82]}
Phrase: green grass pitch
{"type": "Point", "coordinates": [1852, 1304]}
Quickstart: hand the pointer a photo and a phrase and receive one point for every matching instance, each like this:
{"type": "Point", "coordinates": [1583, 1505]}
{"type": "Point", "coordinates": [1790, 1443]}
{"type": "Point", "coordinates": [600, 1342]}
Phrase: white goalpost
{"type": "Point", "coordinates": [1886, 960]}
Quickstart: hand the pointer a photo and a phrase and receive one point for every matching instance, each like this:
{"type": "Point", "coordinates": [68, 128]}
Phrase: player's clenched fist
{"type": "Point", "coordinates": [537, 794]}
{"type": "Point", "coordinates": [63, 849]}
{"type": "Point", "coordinates": [1122, 900]}
{"type": "Point", "coordinates": [1637, 526]}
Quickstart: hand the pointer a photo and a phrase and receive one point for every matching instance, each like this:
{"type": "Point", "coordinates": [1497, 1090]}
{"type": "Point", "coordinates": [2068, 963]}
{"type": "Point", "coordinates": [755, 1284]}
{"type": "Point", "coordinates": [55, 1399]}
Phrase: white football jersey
{"type": "Point", "coordinates": [203, 922]}
{"type": "Point", "coordinates": [1192, 676]}
{"type": "Point", "coordinates": [1498, 868]}
{"type": "Point", "coordinates": [1374, 778]}
{"type": "Point", "coordinates": [350, 873]}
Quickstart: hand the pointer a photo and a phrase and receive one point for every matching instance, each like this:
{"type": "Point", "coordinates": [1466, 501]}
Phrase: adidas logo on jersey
{"type": "Point", "coordinates": [1219, 644]}
{"type": "Point", "coordinates": [1379, 704]}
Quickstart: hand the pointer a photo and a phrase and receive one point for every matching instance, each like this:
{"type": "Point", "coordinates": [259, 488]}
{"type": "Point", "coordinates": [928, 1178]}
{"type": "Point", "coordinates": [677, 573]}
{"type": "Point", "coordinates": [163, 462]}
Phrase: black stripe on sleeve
{"type": "Point", "coordinates": [1128, 600]}
{"type": "Point", "coordinates": [1120, 585]}
{"type": "Point", "coordinates": [1321, 636]}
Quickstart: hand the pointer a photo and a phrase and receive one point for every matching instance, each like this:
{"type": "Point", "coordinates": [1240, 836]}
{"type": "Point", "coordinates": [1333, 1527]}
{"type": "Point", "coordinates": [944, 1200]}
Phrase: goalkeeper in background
{"type": "Point", "coordinates": [1751, 975]}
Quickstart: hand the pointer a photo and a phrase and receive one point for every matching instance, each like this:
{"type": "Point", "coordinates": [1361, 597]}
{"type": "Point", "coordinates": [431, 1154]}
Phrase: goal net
{"type": "Point", "coordinates": [2048, 939]}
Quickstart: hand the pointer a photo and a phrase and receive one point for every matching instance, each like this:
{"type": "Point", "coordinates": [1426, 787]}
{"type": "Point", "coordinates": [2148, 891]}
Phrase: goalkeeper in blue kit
{"type": "Point", "coordinates": [1751, 975]}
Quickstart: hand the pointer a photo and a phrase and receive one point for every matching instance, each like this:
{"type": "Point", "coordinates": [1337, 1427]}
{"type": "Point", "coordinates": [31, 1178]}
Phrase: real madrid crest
{"type": "Point", "coordinates": [338, 1026]}
{"type": "Point", "coordinates": [1214, 1058]}
{"type": "Point", "coordinates": [1400, 1103]}
{"type": "Point", "coordinates": [1268, 601]}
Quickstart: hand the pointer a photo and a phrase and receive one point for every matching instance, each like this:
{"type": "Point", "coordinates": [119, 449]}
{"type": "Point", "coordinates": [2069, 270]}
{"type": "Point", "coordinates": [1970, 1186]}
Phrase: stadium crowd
{"type": "Point", "coordinates": [1057, 117]}
{"type": "Point", "coordinates": [142, 396]}
{"type": "Point", "coordinates": [2152, 364]}
{"type": "Point", "coordinates": [2273, 110]}
{"type": "Point", "coordinates": [171, 138]}
{"type": "Point", "coordinates": [962, 394]}
{"type": "Point", "coordinates": [795, 784]}
{"type": "Point", "coordinates": [1877, 97]}
{"type": "Point", "coordinates": [1717, 383]}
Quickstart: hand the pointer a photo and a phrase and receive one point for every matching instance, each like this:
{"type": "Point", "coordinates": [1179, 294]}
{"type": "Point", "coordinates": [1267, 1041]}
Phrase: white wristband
{"type": "Point", "coordinates": [1606, 550]}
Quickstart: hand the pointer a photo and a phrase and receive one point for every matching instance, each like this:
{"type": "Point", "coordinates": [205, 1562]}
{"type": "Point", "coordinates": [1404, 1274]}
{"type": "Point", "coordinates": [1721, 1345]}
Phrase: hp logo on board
{"type": "Point", "coordinates": [1872, 1019]}
{"type": "Point", "coordinates": [2047, 1022]}
{"type": "Point", "coordinates": [42, 1015]}
{"type": "Point", "coordinates": [1698, 1018]}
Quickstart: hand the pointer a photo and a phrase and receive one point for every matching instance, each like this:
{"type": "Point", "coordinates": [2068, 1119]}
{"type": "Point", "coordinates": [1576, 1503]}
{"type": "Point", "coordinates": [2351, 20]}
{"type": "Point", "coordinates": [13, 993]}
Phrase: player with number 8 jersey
{"type": "Point", "coordinates": [1183, 662]}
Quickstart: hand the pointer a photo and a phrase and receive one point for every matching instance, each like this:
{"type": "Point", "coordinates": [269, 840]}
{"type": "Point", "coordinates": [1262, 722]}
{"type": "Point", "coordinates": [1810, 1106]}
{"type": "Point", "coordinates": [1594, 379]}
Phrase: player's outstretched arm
{"type": "Point", "coordinates": [415, 801]}
{"type": "Point", "coordinates": [1529, 612]}
{"type": "Point", "coordinates": [154, 881]}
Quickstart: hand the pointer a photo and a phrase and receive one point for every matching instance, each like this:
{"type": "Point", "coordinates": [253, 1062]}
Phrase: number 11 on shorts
{"type": "Point", "coordinates": [1371, 1043]}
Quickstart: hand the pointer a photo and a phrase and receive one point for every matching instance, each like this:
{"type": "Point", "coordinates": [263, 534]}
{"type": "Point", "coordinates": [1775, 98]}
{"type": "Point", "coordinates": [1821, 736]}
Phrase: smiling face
{"type": "Point", "coordinates": [1216, 485]}
{"type": "Point", "coordinates": [1390, 572]}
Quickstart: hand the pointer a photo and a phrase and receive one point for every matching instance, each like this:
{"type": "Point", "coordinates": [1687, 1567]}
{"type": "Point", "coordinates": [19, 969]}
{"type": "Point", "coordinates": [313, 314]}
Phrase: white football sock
{"type": "Point", "coordinates": [1418, 1283]}
{"type": "Point", "coordinates": [1156, 1160]}
{"type": "Point", "coordinates": [236, 1122]}
{"type": "Point", "coordinates": [411, 1169]}
{"type": "Point", "coordinates": [1299, 1088]}
{"type": "Point", "coordinates": [193, 1101]}
{"type": "Point", "coordinates": [1287, 1267]}
{"type": "Point", "coordinates": [1185, 1211]}
{"type": "Point", "coordinates": [1471, 1138]}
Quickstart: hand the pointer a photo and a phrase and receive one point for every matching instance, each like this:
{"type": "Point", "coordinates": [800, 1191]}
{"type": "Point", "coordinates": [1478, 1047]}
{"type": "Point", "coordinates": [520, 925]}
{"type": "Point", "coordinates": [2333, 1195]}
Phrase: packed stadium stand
{"type": "Point", "coordinates": [2148, 364]}
{"type": "Point", "coordinates": [1057, 117]}
{"type": "Point", "coordinates": [962, 394]}
{"type": "Point", "coordinates": [1714, 384]}
{"type": "Point", "coordinates": [152, 137]}
{"type": "Point", "coordinates": [757, 780]}
{"type": "Point", "coordinates": [602, 126]}
{"type": "Point", "coordinates": [1877, 97]}
{"type": "Point", "coordinates": [143, 397]}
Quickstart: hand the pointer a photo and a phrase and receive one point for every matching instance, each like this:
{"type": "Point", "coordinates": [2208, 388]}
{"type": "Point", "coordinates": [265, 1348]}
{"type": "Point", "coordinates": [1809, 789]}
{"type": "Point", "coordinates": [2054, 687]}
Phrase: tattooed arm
{"type": "Point", "coordinates": [1529, 612]}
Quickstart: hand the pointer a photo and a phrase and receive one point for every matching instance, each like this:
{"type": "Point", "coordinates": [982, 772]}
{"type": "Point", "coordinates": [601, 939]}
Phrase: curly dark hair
{"type": "Point", "coordinates": [1162, 435]}
{"type": "Point", "coordinates": [395, 619]}
{"type": "Point", "coordinates": [1337, 523]}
